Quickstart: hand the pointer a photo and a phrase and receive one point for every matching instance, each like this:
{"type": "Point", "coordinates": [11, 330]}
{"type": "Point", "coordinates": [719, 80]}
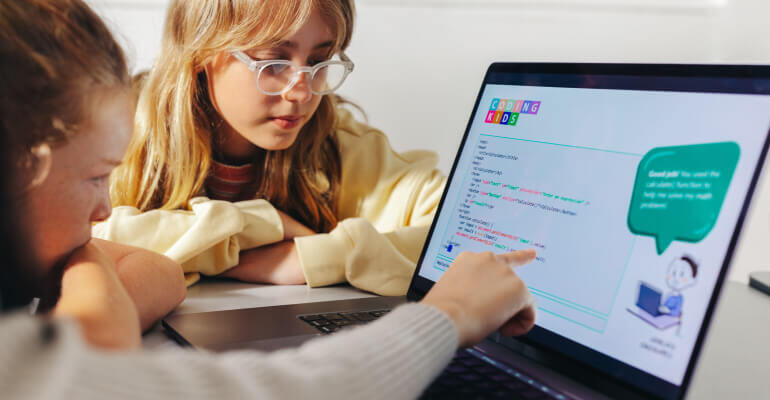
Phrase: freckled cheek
{"type": "Point", "coordinates": [236, 94]}
{"type": "Point", "coordinates": [79, 218]}
{"type": "Point", "coordinates": [60, 229]}
{"type": "Point", "coordinates": [242, 110]}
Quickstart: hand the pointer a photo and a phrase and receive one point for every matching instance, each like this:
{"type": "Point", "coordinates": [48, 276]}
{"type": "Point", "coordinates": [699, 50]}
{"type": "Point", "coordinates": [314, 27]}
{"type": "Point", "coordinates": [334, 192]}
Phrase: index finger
{"type": "Point", "coordinates": [518, 258]}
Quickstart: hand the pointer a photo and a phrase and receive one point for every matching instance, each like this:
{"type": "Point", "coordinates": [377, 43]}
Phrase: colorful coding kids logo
{"type": "Point", "coordinates": [506, 112]}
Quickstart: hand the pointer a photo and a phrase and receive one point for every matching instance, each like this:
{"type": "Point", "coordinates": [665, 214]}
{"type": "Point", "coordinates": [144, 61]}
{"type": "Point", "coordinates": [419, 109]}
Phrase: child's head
{"type": "Point", "coordinates": [66, 108]}
{"type": "Point", "coordinates": [681, 273]}
{"type": "Point", "coordinates": [200, 101]}
{"type": "Point", "coordinates": [266, 105]}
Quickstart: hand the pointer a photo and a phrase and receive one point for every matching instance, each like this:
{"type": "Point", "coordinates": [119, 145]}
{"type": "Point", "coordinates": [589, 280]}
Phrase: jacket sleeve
{"type": "Point", "coordinates": [205, 239]}
{"type": "Point", "coordinates": [387, 203]}
{"type": "Point", "coordinates": [395, 357]}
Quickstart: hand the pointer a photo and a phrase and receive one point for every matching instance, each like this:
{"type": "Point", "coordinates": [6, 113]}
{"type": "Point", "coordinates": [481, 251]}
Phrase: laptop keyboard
{"type": "Point", "coordinates": [470, 375]}
{"type": "Point", "coordinates": [332, 322]}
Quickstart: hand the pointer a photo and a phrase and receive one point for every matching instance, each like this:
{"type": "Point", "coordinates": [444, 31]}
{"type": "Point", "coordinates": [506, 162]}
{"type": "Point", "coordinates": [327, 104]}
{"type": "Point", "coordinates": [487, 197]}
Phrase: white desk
{"type": "Point", "coordinates": [734, 363]}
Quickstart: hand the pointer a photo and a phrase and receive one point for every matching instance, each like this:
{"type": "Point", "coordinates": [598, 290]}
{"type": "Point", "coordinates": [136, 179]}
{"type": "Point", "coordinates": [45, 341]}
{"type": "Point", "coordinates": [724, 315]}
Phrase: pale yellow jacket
{"type": "Point", "coordinates": [387, 202]}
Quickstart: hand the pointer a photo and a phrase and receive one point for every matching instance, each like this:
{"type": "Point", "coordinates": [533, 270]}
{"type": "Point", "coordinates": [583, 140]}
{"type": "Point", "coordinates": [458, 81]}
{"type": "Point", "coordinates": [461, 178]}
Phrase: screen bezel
{"type": "Point", "coordinates": [740, 79]}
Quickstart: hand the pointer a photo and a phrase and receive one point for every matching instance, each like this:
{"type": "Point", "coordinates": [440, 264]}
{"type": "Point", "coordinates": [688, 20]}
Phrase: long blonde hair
{"type": "Point", "coordinates": [170, 154]}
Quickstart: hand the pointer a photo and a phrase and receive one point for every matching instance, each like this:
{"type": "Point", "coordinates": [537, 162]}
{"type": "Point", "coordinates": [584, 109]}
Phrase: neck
{"type": "Point", "coordinates": [232, 148]}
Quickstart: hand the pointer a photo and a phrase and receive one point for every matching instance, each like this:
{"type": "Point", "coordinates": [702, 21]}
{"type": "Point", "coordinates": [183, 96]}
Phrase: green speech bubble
{"type": "Point", "coordinates": [679, 191]}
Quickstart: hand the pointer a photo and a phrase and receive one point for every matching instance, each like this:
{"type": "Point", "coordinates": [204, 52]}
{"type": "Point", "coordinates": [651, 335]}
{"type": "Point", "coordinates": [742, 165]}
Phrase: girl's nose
{"type": "Point", "coordinates": [103, 208]}
{"type": "Point", "coordinates": [300, 92]}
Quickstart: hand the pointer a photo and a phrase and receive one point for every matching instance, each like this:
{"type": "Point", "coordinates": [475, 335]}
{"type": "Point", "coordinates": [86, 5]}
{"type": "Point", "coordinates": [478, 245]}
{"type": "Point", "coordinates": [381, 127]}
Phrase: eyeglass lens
{"type": "Point", "coordinates": [274, 78]}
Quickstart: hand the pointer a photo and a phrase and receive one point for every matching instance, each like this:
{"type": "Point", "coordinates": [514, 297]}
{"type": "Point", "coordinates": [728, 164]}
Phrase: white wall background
{"type": "Point", "coordinates": [419, 63]}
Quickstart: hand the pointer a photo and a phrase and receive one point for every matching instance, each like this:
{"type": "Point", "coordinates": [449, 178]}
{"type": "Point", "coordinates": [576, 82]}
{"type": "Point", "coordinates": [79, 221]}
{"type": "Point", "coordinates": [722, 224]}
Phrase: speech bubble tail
{"type": "Point", "coordinates": [662, 243]}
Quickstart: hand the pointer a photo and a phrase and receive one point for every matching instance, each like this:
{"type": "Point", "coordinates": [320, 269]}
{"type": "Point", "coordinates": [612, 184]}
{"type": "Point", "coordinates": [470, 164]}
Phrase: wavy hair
{"type": "Point", "coordinates": [54, 56]}
{"type": "Point", "coordinates": [170, 154]}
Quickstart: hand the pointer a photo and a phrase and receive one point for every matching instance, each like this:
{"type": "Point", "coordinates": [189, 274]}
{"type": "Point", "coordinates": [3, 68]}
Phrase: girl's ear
{"type": "Point", "coordinates": [209, 68]}
{"type": "Point", "coordinates": [214, 61]}
{"type": "Point", "coordinates": [40, 166]}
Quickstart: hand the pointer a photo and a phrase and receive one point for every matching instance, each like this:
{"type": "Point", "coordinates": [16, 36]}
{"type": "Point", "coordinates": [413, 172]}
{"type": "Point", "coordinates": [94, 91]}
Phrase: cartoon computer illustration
{"type": "Point", "coordinates": [660, 312]}
{"type": "Point", "coordinates": [680, 275]}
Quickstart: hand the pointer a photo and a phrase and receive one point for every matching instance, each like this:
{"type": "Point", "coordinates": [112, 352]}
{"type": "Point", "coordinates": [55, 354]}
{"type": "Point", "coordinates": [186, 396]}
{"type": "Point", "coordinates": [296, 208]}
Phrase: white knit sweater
{"type": "Point", "coordinates": [395, 357]}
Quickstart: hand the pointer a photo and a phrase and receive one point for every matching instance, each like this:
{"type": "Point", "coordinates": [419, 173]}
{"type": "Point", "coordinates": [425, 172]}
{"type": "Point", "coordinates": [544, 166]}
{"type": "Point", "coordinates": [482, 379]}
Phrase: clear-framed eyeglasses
{"type": "Point", "coordinates": [276, 77]}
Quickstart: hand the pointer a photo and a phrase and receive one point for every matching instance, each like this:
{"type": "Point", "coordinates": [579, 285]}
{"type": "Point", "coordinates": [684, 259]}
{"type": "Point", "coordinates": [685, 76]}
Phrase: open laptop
{"type": "Point", "coordinates": [612, 172]}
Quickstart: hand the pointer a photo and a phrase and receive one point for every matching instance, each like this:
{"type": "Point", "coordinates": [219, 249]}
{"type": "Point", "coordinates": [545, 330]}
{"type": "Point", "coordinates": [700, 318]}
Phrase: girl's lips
{"type": "Point", "coordinates": [287, 121]}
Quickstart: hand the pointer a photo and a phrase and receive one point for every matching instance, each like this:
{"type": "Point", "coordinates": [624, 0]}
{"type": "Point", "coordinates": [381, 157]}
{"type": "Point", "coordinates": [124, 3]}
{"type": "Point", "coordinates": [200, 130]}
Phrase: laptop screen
{"type": "Point", "coordinates": [631, 186]}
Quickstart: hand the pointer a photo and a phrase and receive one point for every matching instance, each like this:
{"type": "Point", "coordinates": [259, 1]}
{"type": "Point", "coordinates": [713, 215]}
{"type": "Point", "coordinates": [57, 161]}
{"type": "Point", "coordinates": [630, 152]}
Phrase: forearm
{"type": "Point", "coordinates": [277, 263]}
{"type": "Point", "coordinates": [155, 284]}
{"type": "Point", "coordinates": [206, 239]}
{"type": "Point", "coordinates": [356, 252]}
{"type": "Point", "coordinates": [88, 295]}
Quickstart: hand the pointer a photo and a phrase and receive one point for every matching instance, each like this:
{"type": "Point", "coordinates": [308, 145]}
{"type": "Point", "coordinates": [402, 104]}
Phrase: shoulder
{"type": "Point", "coordinates": [347, 128]}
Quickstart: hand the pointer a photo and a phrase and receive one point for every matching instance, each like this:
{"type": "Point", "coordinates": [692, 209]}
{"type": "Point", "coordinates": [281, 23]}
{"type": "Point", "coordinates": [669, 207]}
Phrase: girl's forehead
{"type": "Point", "coordinates": [105, 133]}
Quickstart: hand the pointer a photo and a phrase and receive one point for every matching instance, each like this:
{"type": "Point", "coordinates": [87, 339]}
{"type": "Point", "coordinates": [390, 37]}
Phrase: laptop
{"type": "Point", "coordinates": [612, 172]}
{"type": "Point", "coordinates": [649, 299]}
{"type": "Point", "coordinates": [648, 308]}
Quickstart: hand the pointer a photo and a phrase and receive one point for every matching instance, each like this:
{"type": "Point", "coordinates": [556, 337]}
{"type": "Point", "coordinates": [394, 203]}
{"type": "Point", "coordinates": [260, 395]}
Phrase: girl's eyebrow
{"type": "Point", "coordinates": [293, 45]}
{"type": "Point", "coordinates": [112, 162]}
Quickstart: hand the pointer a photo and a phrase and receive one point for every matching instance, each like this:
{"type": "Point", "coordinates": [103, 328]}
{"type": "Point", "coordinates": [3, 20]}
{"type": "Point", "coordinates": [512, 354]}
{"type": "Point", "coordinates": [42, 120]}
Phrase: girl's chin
{"type": "Point", "coordinates": [279, 142]}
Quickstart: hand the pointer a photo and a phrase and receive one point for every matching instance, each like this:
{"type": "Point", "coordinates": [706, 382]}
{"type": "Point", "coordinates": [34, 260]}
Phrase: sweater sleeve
{"type": "Point", "coordinates": [387, 203]}
{"type": "Point", "coordinates": [395, 357]}
{"type": "Point", "coordinates": [205, 239]}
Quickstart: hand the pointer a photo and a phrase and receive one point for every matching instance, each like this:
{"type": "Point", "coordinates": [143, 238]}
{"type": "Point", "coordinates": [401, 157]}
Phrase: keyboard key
{"type": "Point", "coordinates": [473, 362]}
{"type": "Point", "coordinates": [515, 385]}
{"type": "Point", "coordinates": [486, 370]}
{"type": "Point", "coordinates": [486, 386]}
{"type": "Point", "coordinates": [470, 377]}
{"type": "Point", "coordinates": [379, 313]}
{"type": "Point", "coordinates": [332, 322]}
{"type": "Point", "coordinates": [456, 368]}
{"type": "Point", "coordinates": [364, 316]}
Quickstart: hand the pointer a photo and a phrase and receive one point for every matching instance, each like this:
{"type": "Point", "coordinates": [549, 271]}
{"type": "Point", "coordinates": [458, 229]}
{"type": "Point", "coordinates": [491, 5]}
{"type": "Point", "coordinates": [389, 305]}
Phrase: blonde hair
{"type": "Point", "coordinates": [170, 154]}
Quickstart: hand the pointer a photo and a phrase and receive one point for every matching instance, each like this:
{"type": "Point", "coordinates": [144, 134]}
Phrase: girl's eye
{"type": "Point", "coordinates": [317, 61]}
{"type": "Point", "coordinates": [99, 179]}
{"type": "Point", "coordinates": [270, 56]}
{"type": "Point", "coordinates": [276, 69]}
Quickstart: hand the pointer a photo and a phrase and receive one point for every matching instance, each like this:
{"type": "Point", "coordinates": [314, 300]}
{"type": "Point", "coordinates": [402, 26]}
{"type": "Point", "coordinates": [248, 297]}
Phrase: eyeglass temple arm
{"type": "Point", "coordinates": [242, 57]}
{"type": "Point", "coordinates": [351, 64]}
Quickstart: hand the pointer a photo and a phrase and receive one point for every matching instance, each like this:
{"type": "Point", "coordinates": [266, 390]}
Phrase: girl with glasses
{"type": "Point", "coordinates": [240, 106]}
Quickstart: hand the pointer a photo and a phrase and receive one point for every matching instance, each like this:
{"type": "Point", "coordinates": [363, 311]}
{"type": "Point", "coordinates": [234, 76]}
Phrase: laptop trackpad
{"type": "Point", "coordinates": [264, 344]}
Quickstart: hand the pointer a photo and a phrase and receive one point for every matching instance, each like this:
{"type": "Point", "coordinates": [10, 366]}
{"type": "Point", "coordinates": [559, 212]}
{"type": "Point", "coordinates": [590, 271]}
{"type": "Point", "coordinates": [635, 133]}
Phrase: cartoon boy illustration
{"type": "Point", "coordinates": [680, 275]}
